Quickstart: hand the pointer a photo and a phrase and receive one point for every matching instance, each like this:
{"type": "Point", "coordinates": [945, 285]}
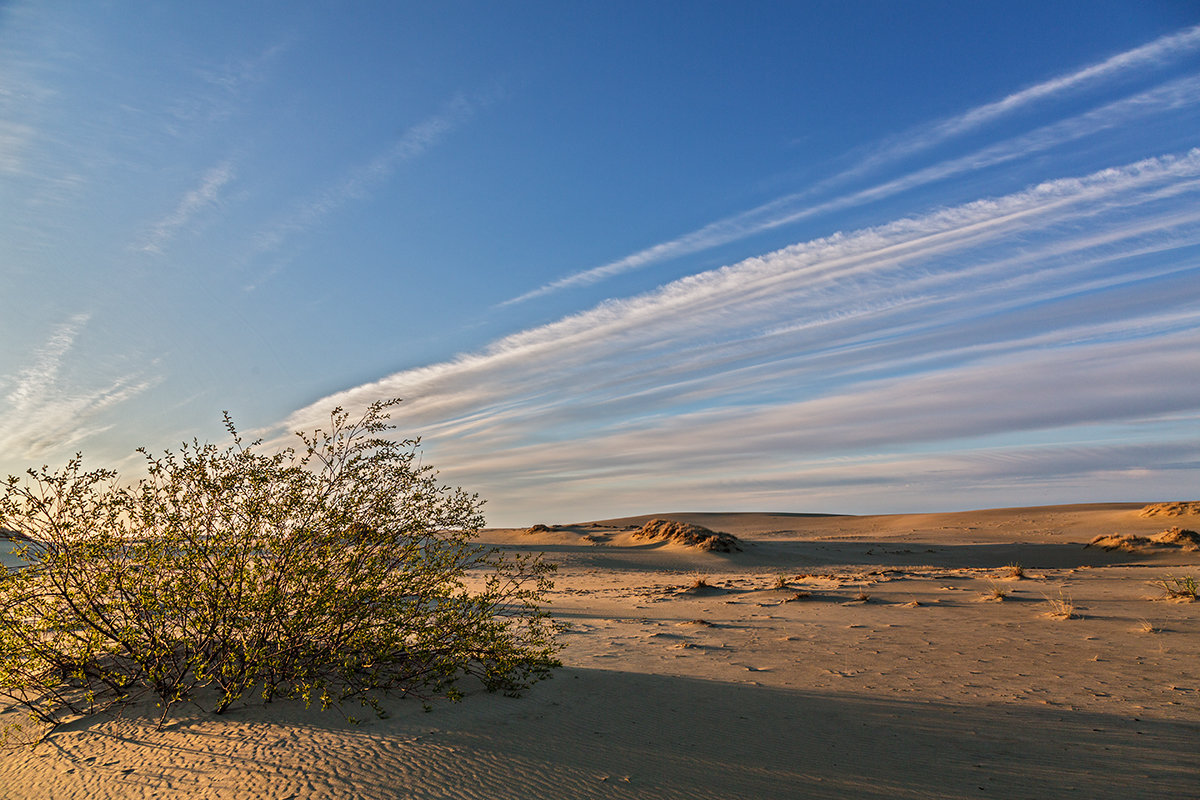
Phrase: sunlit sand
{"type": "Point", "coordinates": [976, 654]}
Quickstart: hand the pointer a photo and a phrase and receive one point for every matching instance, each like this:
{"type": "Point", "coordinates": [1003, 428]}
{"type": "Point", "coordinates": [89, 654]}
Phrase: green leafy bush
{"type": "Point", "coordinates": [338, 571]}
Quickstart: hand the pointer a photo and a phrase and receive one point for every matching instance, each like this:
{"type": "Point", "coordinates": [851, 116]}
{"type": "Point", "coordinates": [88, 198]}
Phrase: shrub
{"type": "Point", "coordinates": [336, 572]}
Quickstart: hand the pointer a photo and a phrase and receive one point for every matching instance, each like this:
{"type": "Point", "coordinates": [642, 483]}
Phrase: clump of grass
{"type": "Point", "coordinates": [995, 591]}
{"type": "Point", "coordinates": [1062, 607]}
{"type": "Point", "coordinates": [1179, 588]}
{"type": "Point", "coordinates": [700, 583]}
{"type": "Point", "coordinates": [1014, 571]}
{"type": "Point", "coordinates": [799, 596]}
{"type": "Point", "coordinates": [781, 581]}
{"type": "Point", "coordinates": [863, 596]}
{"type": "Point", "coordinates": [1147, 626]}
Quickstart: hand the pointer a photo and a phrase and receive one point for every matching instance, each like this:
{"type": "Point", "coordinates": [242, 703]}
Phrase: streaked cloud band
{"type": "Point", "coordinates": [845, 343]}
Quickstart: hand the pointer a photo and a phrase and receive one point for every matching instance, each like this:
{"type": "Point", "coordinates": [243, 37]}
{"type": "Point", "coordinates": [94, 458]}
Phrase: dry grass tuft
{"type": "Point", "coordinates": [1062, 607]}
{"type": "Point", "coordinates": [995, 591]}
{"type": "Point", "coordinates": [1179, 588]}
{"type": "Point", "coordinates": [1014, 571]}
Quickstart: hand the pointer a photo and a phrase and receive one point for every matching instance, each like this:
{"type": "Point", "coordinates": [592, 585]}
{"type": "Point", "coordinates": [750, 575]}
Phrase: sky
{"type": "Point", "coordinates": [616, 257]}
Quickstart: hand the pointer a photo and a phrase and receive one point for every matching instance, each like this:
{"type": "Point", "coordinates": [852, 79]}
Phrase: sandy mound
{"type": "Point", "coordinates": [702, 588]}
{"type": "Point", "coordinates": [539, 528]}
{"type": "Point", "coordinates": [668, 530]}
{"type": "Point", "coordinates": [1170, 509]}
{"type": "Point", "coordinates": [1171, 537]}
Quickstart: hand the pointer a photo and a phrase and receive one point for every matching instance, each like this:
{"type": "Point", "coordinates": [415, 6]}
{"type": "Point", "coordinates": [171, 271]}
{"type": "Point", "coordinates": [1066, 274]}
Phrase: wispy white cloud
{"type": "Point", "coordinates": [24, 90]}
{"type": "Point", "coordinates": [922, 331]}
{"type": "Point", "coordinates": [798, 206]}
{"type": "Point", "coordinates": [44, 412]}
{"type": "Point", "coordinates": [1152, 54]}
{"type": "Point", "coordinates": [822, 272]}
{"type": "Point", "coordinates": [15, 138]}
{"type": "Point", "coordinates": [974, 477]}
{"type": "Point", "coordinates": [361, 180]}
{"type": "Point", "coordinates": [1072, 389]}
{"type": "Point", "coordinates": [205, 196]}
{"type": "Point", "coordinates": [223, 88]}
{"type": "Point", "coordinates": [33, 381]}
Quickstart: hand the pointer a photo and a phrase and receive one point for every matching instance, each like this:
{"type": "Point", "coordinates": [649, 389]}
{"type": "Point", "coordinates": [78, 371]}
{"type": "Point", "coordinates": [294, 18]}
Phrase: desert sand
{"type": "Point", "coordinates": [831, 657]}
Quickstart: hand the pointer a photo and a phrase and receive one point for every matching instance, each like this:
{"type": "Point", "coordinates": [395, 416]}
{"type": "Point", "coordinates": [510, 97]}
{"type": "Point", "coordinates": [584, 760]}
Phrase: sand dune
{"type": "Point", "coordinates": [899, 656]}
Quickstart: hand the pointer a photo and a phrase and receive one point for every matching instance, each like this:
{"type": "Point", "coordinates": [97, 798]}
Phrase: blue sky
{"type": "Point", "coordinates": [617, 257]}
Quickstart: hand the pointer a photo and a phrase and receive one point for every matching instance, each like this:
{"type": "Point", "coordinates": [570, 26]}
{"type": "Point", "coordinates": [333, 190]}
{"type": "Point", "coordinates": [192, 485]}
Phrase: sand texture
{"type": "Point", "coordinates": [832, 657]}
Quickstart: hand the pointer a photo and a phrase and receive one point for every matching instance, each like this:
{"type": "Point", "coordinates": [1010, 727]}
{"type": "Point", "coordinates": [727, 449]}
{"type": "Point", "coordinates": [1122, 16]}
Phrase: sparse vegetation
{"type": "Point", "coordinates": [1179, 588]}
{"type": "Point", "coordinates": [781, 581]}
{"type": "Point", "coordinates": [1062, 607]}
{"type": "Point", "coordinates": [996, 591]}
{"type": "Point", "coordinates": [686, 533]}
{"type": "Point", "coordinates": [863, 596]}
{"type": "Point", "coordinates": [1014, 571]}
{"type": "Point", "coordinates": [330, 574]}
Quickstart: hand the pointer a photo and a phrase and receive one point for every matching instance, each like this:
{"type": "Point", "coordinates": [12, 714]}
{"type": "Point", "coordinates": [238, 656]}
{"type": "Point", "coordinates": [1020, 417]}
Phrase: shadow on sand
{"type": "Point", "coordinates": [602, 734]}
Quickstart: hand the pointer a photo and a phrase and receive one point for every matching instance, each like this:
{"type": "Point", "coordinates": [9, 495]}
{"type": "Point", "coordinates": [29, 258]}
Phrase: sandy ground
{"type": "Point", "coordinates": [774, 681]}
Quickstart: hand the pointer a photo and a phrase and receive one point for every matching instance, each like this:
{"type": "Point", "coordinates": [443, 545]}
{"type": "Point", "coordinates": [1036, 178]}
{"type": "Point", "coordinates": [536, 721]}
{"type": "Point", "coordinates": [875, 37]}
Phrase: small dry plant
{"type": "Point", "coordinates": [781, 581]}
{"type": "Point", "coordinates": [863, 596]}
{"type": "Point", "coordinates": [995, 591]}
{"type": "Point", "coordinates": [1062, 607]}
{"type": "Point", "coordinates": [1146, 626]}
{"type": "Point", "coordinates": [1179, 588]}
{"type": "Point", "coordinates": [1014, 571]}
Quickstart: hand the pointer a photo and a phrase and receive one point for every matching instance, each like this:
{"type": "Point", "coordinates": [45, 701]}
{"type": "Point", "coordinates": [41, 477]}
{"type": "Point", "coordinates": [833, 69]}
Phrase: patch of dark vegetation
{"type": "Point", "coordinates": [1178, 509]}
{"type": "Point", "coordinates": [1171, 537]}
{"type": "Point", "coordinates": [669, 530]}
